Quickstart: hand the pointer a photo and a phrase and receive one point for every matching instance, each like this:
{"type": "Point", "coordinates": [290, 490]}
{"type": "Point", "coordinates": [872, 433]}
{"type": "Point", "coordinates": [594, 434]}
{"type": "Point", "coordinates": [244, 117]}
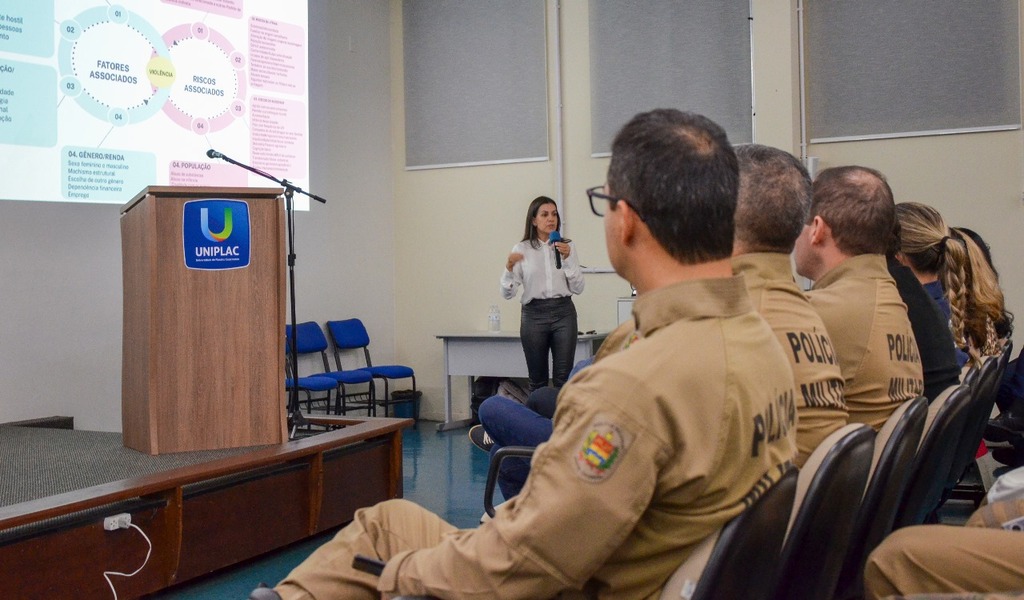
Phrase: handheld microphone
{"type": "Point", "coordinates": [556, 237]}
{"type": "Point", "coordinates": [211, 153]}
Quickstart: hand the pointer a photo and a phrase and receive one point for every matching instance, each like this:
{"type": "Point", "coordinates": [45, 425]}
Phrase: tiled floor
{"type": "Point", "coordinates": [443, 472]}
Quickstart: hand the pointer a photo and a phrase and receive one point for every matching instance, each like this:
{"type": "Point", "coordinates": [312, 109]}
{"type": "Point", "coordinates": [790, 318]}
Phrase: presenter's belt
{"type": "Point", "coordinates": [545, 303]}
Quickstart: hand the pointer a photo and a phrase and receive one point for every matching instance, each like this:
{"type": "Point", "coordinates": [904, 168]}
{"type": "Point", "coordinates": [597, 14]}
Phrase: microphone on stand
{"type": "Point", "coordinates": [211, 153]}
{"type": "Point", "coordinates": [556, 237]}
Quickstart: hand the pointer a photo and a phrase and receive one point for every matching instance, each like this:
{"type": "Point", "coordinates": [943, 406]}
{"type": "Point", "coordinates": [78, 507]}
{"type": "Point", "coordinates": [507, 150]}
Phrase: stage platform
{"type": "Point", "coordinates": [203, 511]}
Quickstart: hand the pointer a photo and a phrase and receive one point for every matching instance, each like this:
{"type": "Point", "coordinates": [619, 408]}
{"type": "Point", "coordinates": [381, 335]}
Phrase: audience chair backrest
{"type": "Point", "coordinates": [349, 334]}
{"type": "Point", "coordinates": [983, 398]}
{"type": "Point", "coordinates": [310, 340]}
{"type": "Point", "coordinates": [934, 458]}
{"type": "Point", "coordinates": [970, 373]}
{"type": "Point", "coordinates": [828, 498]}
{"type": "Point", "coordinates": [741, 559]}
{"type": "Point", "coordinates": [937, 405]}
{"type": "Point", "coordinates": [495, 465]}
{"type": "Point", "coordinates": [897, 425]}
{"type": "Point", "coordinates": [895, 447]}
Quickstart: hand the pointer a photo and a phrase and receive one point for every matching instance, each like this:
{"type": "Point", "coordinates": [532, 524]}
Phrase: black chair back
{"type": "Point", "coordinates": [895, 448]}
{"type": "Point", "coordinates": [984, 398]}
{"type": "Point", "coordinates": [741, 565]}
{"type": "Point", "coordinates": [495, 465]}
{"type": "Point", "coordinates": [933, 461]}
{"type": "Point", "coordinates": [736, 562]}
{"type": "Point", "coordinates": [821, 525]}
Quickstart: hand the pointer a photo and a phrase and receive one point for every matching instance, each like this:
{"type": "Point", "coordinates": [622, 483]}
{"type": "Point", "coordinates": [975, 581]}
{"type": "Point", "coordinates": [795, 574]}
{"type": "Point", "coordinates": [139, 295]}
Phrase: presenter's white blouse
{"type": "Point", "coordinates": [538, 275]}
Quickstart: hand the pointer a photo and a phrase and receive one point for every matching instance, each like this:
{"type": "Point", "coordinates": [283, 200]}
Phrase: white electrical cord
{"type": "Point", "coordinates": [107, 574]}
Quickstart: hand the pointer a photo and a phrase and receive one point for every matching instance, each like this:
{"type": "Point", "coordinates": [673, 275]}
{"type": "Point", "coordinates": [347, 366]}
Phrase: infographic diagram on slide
{"type": "Point", "coordinates": [98, 101]}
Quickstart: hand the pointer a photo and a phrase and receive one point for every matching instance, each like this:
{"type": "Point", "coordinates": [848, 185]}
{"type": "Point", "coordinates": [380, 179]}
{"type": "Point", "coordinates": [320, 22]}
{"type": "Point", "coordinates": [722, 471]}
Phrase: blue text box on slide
{"type": "Point", "coordinates": [102, 175]}
{"type": "Point", "coordinates": [28, 104]}
{"type": "Point", "coordinates": [27, 28]}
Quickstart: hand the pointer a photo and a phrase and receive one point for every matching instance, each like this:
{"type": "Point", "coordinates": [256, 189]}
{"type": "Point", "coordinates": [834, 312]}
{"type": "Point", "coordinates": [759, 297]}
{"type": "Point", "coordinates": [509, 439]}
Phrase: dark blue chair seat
{"type": "Point", "coordinates": [390, 371]}
{"type": "Point", "coordinates": [353, 376]}
{"type": "Point", "coordinates": [312, 383]}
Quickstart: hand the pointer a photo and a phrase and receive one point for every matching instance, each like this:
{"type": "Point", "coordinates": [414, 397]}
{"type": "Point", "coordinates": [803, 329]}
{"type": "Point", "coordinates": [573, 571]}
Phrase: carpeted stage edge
{"type": "Point", "coordinates": [203, 511]}
{"type": "Point", "coordinates": [39, 462]}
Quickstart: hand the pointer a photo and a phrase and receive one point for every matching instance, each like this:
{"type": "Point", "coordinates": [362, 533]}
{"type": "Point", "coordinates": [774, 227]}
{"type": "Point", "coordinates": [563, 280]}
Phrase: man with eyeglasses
{"type": "Point", "coordinates": [684, 419]}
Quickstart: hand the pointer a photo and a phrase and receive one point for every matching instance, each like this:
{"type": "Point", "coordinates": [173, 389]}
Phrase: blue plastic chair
{"type": "Point", "coordinates": [311, 340]}
{"type": "Point", "coordinates": [350, 334]}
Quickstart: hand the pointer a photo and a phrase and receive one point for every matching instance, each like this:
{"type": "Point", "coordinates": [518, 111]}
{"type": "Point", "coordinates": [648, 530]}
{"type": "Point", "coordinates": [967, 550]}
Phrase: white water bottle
{"type": "Point", "coordinates": [494, 319]}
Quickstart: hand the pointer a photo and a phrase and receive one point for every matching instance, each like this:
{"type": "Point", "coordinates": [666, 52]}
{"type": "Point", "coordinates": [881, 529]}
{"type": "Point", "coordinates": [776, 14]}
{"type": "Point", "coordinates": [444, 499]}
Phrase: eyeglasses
{"type": "Point", "coordinates": [594, 193]}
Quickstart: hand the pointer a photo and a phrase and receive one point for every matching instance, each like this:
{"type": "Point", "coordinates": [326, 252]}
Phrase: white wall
{"type": "Point", "coordinates": [60, 330]}
{"type": "Point", "coordinates": [60, 268]}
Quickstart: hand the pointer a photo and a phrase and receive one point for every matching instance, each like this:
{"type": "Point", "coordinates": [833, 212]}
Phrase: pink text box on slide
{"type": "Point", "coordinates": [197, 173]}
{"type": "Point", "coordinates": [277, 56]}
{"type": "Point", "coordinates": [279, 136]}
{"type": "Point", "coordinates": [228, 8]}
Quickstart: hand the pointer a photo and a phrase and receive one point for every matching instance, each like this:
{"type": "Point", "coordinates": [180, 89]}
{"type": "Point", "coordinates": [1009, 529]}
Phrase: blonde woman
{"type": "Point", "coordinates": [947, 260]}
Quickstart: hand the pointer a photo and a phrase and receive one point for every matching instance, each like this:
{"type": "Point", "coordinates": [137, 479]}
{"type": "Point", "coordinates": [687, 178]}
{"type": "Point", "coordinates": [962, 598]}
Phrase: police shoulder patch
{"type": "Point", "coordinates": [601, 450]}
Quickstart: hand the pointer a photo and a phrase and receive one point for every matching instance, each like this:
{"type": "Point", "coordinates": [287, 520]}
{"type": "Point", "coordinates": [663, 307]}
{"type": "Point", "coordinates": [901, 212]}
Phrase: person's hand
{"type": "Point", "coordinates": [563, 249]}
{"type": "Point", "coordinates": [512, 260]}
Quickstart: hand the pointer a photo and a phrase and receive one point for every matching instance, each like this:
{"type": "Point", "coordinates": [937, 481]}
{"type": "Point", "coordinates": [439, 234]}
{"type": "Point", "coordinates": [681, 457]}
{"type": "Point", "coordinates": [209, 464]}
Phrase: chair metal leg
{"type": "Point", "coordinates": [387, 397]}
{"type": "Point", "coordinates": [415, 402]}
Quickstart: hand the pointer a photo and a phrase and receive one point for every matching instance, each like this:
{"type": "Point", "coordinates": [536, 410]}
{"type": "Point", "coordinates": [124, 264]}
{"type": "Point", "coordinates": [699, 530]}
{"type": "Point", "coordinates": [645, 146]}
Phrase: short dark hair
{"type": "Point", "coordinates": [774, 199]}
{"type": "Point", "coordinates": [679, 172]}
{"type": "Point", "coordinates": [856, 202]}
{"type": "Point", "coordinates": [530, 233]}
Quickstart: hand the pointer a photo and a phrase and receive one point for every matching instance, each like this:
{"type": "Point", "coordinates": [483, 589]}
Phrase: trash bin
{"type": "Point", "coordinates": [408, 403]}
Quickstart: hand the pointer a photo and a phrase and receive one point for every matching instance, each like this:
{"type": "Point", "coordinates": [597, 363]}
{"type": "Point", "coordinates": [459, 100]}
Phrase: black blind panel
{"type": "Point", "coordinates": [475, 81]}
{"type": "Point", "coordinates": [878, 68]}
{"type": "Point", "coordinates": [669, 54]}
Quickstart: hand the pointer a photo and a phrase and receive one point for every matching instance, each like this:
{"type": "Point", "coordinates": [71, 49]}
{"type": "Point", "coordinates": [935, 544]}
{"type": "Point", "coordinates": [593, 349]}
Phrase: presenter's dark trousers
{"type": "Point", "coordinates": [549, 326]}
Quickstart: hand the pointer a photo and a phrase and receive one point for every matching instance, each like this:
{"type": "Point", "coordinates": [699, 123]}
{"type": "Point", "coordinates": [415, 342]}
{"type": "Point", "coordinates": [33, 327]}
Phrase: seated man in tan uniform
{"type": "Point", "coordinates": [842, 248]}
{"type": "Point", "coordinates": [773, 203]}
{"type": "Point", "coordinates": [984, 559]}
{"type": "Point", "coordinates": [667, 436]}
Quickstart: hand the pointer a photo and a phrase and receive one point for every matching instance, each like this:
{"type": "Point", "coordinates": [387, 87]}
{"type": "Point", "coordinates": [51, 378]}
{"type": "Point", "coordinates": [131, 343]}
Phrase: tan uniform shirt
{"type": "Point", "coordinates": [868, 324]}
{"type": "Point", "coordinates": [657, 445]}
{"type": "Point", "coordinates": [820, 407]}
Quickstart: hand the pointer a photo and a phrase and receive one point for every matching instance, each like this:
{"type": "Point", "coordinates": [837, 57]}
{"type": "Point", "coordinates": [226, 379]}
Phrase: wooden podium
{"type": "Point", "coordinates": [203, 343]}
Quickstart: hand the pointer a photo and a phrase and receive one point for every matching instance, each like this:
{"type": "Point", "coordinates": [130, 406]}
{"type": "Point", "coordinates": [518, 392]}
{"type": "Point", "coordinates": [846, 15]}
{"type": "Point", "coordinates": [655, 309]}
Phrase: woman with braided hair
{"type": "Point", "coordinates": [954, 270]}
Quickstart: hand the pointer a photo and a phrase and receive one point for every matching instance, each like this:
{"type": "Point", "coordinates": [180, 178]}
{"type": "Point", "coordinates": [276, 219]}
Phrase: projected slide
{"type": "Point", "coordinates": [99, 100]}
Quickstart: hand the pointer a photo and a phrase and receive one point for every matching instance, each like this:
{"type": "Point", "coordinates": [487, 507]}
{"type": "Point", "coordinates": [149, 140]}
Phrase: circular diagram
{"type": "Point", "coordinates": [104, 56]}
{"type": "Point", "coordinates": [209, 93]}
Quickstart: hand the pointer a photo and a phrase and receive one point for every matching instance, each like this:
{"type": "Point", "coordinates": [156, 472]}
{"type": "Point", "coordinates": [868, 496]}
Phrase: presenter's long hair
{"type": "Point", "coordinates": [530, 233]}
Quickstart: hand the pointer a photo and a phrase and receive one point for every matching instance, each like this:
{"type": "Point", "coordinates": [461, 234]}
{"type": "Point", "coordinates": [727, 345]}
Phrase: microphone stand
{"type": "Point", "coordinates": [294, 413]}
